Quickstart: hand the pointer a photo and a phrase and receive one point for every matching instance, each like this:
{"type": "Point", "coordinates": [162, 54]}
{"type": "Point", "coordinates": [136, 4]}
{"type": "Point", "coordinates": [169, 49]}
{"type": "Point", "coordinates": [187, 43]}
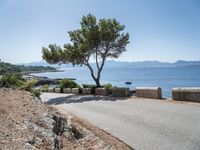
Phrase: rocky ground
{"type": "Point", "coordinates": [27, 123]}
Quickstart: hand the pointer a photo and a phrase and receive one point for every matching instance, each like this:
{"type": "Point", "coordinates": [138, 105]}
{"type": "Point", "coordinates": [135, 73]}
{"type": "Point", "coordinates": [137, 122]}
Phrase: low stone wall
{"type": "Point", "coordinates": [67, 90]}
{"type": "Point", "coordinates": [149, 92]}
{"type": "Point", "coordinates": [57, 90]}
{"type": "Point", "coordinates": [121, 92]}
{"type": "Point", "coordinates": [87, 91]}
{"type": "Point", "coordinates": [101, 91]}
{"type": "Point", "coordinates": [76, 91]}
{"type": "Point", "coordinates": [186, 94]}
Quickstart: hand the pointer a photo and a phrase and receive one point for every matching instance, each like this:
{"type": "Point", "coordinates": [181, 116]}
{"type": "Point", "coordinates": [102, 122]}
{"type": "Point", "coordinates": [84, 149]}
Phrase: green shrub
{"type": "Point", "coordinates": [14, 81]}
{"type": "Point", "coordinates": [28, 85]}
{"type": "Point", "coordinates": [66, 83]}
{"type": "Point", "coordinates": [107, 86]}
{"type": "Point", "coordinates": [36, 92]}
{"type": "Point", "coordinates": [10, 81]}
{"type": "Point", "coordinates": [89, 86]}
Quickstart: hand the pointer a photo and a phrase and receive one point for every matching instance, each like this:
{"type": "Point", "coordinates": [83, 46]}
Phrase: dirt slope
{"type": "Point", "coordinates": [26, 123]}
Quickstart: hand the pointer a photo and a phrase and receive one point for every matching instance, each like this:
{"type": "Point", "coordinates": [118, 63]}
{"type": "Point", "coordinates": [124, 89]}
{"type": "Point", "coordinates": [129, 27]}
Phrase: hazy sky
{"type": "Point", "coordinates": [164, 30]}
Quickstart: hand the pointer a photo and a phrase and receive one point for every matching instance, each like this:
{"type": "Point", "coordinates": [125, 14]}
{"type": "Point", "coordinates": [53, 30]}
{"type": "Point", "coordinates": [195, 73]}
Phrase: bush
{"type": "Point", "coordinates": [107, 86]}
{"type": "Point", "coordinates": [89, 86]}
{"type": "Point", "coordinates": [36, 92]}
{"type": "Point", "coordinates": [66, 83]}
{"type": "Point", "coordinates": [10, 81]}
{"type": "Point", "coordinates": [28, 85]}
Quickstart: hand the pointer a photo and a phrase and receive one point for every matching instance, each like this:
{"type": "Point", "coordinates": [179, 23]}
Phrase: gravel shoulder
{"type": "Point", "coordinates": [144, 124]}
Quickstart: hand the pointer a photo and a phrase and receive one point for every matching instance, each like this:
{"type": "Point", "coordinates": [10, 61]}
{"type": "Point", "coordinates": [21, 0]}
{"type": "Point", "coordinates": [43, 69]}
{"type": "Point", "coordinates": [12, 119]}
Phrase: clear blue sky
{"type": "Point", "coordinates": [164, 30]}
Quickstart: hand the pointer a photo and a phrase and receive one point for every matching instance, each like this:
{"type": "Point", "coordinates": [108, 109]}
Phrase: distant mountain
{"type": "Point", "coordinates": [182, 63]}
{"type": "Point", "coordinates": [45, 64]}
{"type": "Point", "coordinates": [139, 64]}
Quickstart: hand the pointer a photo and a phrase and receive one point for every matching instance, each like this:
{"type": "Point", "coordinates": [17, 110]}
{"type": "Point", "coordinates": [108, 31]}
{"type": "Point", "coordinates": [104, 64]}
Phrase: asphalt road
{"type": "Point", "coordinates": [144, 124]}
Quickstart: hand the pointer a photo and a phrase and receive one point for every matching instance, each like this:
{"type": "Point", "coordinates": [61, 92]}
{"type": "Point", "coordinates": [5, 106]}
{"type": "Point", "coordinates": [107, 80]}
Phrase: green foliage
{"type": "Point", "coordinates": [99, 39]}
{"type": "Point", "coordinates": [28, 85]}
{"type": "Point", "coordinates": [16, 82]}
{"type": "Point", "coordinates": [107, 86]}
{"type": "Point", "coordinates": [89, 86]}
{"type": "Point", "coordinates": [66, 83]}
{"type": "Point", "coordinates": [29, 69]}
{"type": "Point", "coordinates": [10, 81]}
{"type": "Point", "coordinates": [7, 68]}
{"type": "Point", "coordinates": [36, 92]}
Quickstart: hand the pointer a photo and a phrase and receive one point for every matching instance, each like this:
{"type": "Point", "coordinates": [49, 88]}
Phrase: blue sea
{"type": "Point", "coordinates": [166, 78]}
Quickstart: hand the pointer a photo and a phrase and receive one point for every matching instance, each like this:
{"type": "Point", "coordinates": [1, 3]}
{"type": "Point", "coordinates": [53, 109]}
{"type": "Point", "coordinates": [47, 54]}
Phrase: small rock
{"type": "Point", "coordinates": [32, 141]}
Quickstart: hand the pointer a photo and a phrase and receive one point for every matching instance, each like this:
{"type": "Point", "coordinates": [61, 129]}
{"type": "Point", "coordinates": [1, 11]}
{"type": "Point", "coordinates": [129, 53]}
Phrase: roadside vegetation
{"type": "Point", "coordinates": [11, 76]}
{"type": "Point", "coordinates": [16, 82]}
{"type": "Point", "coordinates": [66, 83]}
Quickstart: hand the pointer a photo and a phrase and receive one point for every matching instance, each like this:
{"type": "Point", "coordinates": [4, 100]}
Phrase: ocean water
{"type": "Point", "coordinates": [166, 78]}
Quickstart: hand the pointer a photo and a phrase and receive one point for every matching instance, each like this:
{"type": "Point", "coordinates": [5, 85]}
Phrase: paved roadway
{"type": "Point", "coordinates": [144, 124]}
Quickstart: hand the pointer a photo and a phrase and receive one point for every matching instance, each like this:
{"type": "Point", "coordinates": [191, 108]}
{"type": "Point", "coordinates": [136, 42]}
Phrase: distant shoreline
{"type": "Point", "coordinates": [31, 72]}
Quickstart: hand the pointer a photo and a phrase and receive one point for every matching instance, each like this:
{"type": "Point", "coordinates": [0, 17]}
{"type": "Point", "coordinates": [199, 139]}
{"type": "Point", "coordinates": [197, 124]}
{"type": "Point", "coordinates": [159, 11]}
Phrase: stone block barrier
{"type": "Point", "coordinates": [44, 89]}
{"type": "Point", "coordinates": [186, 94]}
{"type": "Point", "coordinates": [57, 90]}
{"type": "Point", "coordinates": [67, 90]}
{"type": "Point", "coordinates": [87, 91]}
{"type": "Point", "coordinates": [101, 91]}
{"type": "Point", "coordinates": [50, 89]}
{"type": "Point", "coordinates": [121, 92]}
{"type": "Point", "coordinates": [76, 91]}
{"type": "Point", "coordinates": [149, 92]}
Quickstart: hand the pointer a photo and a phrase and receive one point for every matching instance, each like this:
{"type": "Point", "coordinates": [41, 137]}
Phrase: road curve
{"type": "Point", "coordinates": [144, 124]}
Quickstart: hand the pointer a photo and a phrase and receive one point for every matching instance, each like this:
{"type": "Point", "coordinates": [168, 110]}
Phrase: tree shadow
{"type": "Point", "coordinates": [81, 98]}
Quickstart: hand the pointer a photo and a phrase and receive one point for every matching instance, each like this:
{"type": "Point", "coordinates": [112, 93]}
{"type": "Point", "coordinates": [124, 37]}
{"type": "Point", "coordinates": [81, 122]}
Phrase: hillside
{"type": "Point", "coordinates": [6, 68]}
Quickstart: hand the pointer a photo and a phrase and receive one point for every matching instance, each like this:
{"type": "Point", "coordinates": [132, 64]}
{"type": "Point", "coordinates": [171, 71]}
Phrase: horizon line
{"type": "Point", "coordinates": [113, 60]}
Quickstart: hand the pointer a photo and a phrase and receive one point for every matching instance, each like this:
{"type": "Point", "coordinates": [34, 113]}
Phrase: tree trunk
{"type": "Point", "coordinates": [97, 80]}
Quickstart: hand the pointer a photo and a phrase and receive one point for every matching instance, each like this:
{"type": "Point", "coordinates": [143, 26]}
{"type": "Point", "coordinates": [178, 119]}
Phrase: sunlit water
{"type": "Point", "coordinates": [166, 78]}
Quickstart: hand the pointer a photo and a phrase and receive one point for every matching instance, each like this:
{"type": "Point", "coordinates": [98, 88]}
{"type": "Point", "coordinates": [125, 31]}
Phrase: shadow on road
{"type": "Point", "coordinates": [81, 98]}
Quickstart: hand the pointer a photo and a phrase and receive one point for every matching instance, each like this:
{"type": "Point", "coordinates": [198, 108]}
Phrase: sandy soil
{"type": "Point", "coordinates": [27, 123]}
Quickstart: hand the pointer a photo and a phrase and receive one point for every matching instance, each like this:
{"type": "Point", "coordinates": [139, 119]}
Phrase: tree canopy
{"type": "Point", "coordinates": [95, 40]}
